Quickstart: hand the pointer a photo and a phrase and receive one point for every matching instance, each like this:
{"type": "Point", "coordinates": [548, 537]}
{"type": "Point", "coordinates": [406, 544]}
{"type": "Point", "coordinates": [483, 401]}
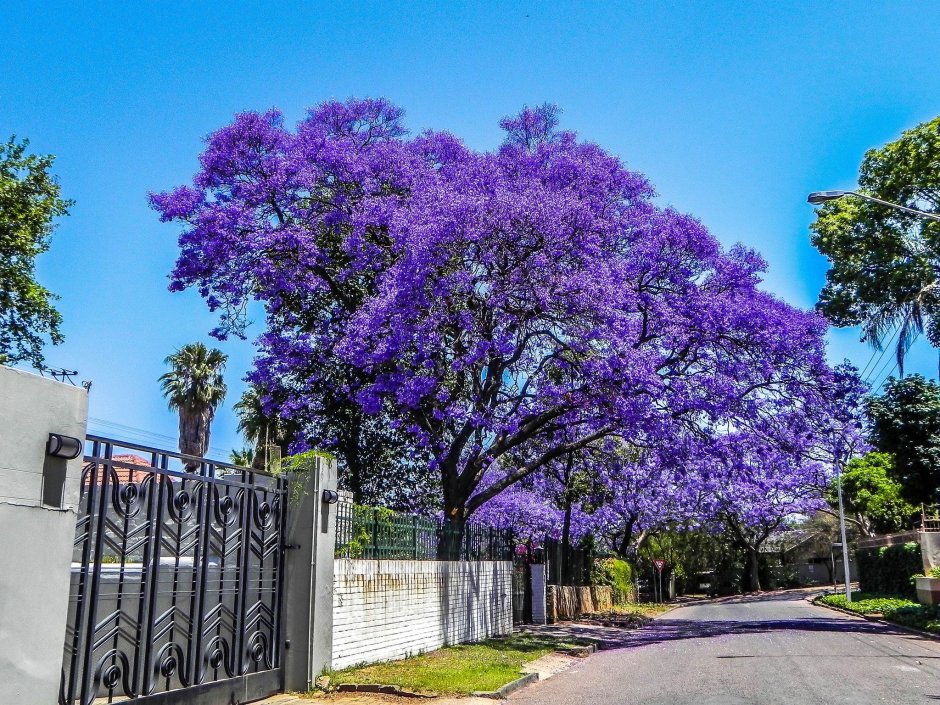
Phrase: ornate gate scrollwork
{"type": "Point", "coordinates": [176, 576]}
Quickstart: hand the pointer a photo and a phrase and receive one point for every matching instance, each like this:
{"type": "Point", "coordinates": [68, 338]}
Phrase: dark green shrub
{"type": "Point", "coordinates": [864, 603]}
{"type": "Point", "coordinates": [888, 570]}
{"type": "Point", "coordinates": [917, 616]}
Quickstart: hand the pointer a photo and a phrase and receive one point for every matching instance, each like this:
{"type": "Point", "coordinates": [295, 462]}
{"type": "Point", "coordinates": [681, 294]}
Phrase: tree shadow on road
{"type": "Point", "coordinates": [664, 630]}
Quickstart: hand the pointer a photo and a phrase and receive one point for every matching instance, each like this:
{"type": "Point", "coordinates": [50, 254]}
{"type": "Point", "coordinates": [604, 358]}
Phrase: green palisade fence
{"type": "Point", "coordinates": [377, 533]}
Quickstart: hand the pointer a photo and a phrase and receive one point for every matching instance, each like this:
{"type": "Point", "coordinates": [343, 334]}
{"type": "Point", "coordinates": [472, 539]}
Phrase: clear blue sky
{"type": "Point", "coordinates": [734, 110]}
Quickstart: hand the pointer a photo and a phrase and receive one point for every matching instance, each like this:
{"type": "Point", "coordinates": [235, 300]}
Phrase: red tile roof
{"type": "Point", "coordinates": [124, 474]}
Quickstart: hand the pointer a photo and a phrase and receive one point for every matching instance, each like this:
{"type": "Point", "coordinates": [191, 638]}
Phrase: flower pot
{"type": "Point", "coordinates": [928, 590]}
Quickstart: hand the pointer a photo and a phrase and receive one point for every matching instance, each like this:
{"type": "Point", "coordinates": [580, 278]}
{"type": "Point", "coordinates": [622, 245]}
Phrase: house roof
{"type": "Point", "coordinates": [124, 473]}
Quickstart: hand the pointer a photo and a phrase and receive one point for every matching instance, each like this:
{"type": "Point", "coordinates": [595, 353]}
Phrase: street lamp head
{"type": "Point", "coordinates": [817, 197]}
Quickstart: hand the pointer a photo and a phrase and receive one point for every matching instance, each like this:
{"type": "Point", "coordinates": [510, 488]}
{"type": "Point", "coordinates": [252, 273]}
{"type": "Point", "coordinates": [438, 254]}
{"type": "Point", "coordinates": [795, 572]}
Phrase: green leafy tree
{"type": "Point", "coordinates": [905, 422]}
{"type": "Point", "coordinates": [884, 262]}
{"type": "Point", "coordinates": [194, 388]}
{"type": "Point", "coordinates": [29, 204]}
{"type": "Point", "coordinates": [872, 496]}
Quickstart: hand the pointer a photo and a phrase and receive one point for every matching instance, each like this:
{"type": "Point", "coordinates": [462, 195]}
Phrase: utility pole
{"type": "Point", "coordinates": [845, 543]}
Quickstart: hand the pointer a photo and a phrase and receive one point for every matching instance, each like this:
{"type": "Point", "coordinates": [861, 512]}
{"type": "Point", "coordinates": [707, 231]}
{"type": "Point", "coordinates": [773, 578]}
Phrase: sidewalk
{"type": "Point", "coordinates": [366, 699]}
{"type": "Point", "coordinates": [605, 637]}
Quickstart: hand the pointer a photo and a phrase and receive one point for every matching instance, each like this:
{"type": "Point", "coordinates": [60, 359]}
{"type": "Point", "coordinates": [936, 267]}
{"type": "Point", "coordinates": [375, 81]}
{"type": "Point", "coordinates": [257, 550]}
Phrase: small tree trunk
{"type": "Point", "coordinates": [754, 566]}
{"type": "Point", "coordinates": [258, 461]}
{"type": "Point", "coordinates": [566, 546]}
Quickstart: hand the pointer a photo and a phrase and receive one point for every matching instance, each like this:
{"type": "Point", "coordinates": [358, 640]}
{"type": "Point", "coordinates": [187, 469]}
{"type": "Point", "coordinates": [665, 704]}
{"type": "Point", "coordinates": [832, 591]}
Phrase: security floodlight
{"type": "Point", "coordinates": [62, 446]}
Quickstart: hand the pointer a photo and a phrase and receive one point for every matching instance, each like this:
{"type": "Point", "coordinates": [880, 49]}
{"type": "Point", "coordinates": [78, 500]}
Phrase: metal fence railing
{"type": "Point", "coordinates": [566, 565]}
{"type": "Point", "coordinates": [929, 518]}
{"type": "Point", "coordinates": [378, 533]}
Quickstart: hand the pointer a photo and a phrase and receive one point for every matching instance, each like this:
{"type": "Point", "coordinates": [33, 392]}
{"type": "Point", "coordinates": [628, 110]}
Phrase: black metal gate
{"type": "Point", "coordinates": [176, 580]}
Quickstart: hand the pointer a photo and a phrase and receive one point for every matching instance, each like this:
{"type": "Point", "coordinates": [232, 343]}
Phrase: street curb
{"type": "Point", "coordinates": [578, 651]}
{"type": "Point", "coordinates": [382, 690]}
{"type": "Point", "coordinates": [878, 620]}
{"type": "Point", "coordinates": [510, 687]}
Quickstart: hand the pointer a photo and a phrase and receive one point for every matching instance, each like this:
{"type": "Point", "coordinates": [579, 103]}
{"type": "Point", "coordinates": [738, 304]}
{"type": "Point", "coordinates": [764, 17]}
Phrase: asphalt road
{"type": "Point", "coordinates": [774, 649]}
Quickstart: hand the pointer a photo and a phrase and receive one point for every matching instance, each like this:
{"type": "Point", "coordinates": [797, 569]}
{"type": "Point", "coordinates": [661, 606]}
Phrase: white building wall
{"type": "Point", "coordinates": [384, 610]}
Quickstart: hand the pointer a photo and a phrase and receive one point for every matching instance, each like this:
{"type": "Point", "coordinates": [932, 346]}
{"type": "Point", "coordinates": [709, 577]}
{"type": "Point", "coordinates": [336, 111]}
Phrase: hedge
{"type": "Point", "coordinates": [864, 603]}
{"type": "Point", "coordinates": [918, 616]}
{"type": "Point", "coordinates": [888, 570]}
{"type": "Point", "coordinates": [618, 575]}
{"type": "Point", "coordinates": [893, 609]}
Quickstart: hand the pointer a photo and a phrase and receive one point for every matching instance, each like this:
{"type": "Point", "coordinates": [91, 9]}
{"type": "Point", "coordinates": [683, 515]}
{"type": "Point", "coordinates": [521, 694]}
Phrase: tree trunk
{"type": "Point", "coordinates": [451, 537]}
{"type": "Point", "coordinates": [754, 567]}
{"type": "Point", "coordinates": [566, 546]}
{"type": "Point", "coordinates": [194, 434]}
{"type": "Point", "coordinates": [623, 547]}
{"type": "Point", "coordinates": [454, 524]}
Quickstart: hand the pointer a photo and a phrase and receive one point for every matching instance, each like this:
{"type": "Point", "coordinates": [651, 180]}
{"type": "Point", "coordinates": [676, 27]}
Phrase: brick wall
{"type": "Point", "coordinates": [385, 610]}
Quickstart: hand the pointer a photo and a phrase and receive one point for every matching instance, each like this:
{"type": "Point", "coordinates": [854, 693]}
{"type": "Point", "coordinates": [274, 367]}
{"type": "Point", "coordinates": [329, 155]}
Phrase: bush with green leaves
{"type": "Point", "coordinates": [889, 570]}
{"type": "Point", "coordinates": [618, 574]}
{"type": "Point", "coordinates": [914, 615]}
{"type": "Point", "coordinates": [865, 603]}
{"type": "Point", "coordinates": [892, 608]}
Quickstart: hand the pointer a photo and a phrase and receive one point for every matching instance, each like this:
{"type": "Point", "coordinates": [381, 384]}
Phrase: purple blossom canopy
{"type": "Point", "coordinates": [501, 307]}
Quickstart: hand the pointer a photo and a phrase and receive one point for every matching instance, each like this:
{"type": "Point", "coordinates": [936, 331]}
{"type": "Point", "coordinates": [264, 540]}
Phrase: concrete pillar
{"type": "Point", "coordinates": [929, 548]}
{"type": "Point", "coordinates": [308, 614]}
{"type": "Point", "coordinates": [38, 509]}
{"type": "Point", "coordinates": [539, 613]}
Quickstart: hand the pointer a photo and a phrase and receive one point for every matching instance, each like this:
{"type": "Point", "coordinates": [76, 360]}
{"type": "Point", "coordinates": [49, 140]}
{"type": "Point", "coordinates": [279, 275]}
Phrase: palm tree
{"type": "Point", "coordinates": [260, 429]}
{"type": "Point", "coordinates": [243, 458]}
{"type": "Point", "coordinates": [194, 387]}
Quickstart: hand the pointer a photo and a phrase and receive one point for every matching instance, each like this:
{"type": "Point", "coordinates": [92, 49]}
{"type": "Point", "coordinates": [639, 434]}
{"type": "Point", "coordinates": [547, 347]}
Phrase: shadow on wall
{"type": "Point", "coordinates": [482, 602]}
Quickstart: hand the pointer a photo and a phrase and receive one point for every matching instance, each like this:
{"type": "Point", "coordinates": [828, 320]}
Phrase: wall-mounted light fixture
{"type": "Point", "coordinates": [330, 496]}
{"type": "Point", "coordinates": [59, 446]}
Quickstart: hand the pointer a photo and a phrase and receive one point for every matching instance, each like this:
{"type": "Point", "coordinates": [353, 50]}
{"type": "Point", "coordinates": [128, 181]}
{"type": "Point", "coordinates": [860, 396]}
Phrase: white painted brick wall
{"type": "Point", "coordinates": [384, 610]}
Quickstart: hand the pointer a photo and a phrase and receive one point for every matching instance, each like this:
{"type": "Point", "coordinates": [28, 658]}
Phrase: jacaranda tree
{"type": "Point", "coordinates": [518, 304]}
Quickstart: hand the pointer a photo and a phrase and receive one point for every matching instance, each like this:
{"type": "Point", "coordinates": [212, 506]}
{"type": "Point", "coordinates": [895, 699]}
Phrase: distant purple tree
{"type": "Point", "coordinates": [647, 491]}
{"type": "Point", "coordinates": [508, 307]}
{"type": "Point", "coordinates": [780, 463]}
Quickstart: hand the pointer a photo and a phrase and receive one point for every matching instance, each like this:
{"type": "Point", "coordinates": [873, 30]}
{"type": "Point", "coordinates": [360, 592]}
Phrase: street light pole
{"type": "Point", "coordinates": [818, 197]}
{"type": "Point", "coordinates": [845, 544]}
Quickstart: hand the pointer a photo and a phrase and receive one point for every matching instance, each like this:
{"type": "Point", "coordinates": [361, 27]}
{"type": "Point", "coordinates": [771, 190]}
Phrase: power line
{"type": "Point", "coordinates": [151, 437]}
{"type": "Point", "coordinates": [876, 376]}
{"type": "Point", "coordinates": [886, 377]}
{"type": "Point", "coordinates": [884, 350]}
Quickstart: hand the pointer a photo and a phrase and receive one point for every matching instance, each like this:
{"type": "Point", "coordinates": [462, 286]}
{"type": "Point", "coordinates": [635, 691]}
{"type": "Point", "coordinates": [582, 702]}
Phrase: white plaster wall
{"type": "Point", "coordinates": [384, 610]}
{"type": "Point", "coordinates": [37, 539]}
{"type": "Point", "coordinates": [539, 614]}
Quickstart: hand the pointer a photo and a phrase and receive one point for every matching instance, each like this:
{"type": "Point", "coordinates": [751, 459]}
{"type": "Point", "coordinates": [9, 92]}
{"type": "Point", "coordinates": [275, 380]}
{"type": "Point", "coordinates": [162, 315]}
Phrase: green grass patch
{"type": "Point", "coordinates": [644, 609]}
{"type": "Point", "coordinates": [458, 670]}
{"type": "Point", "coordinates": [867, 603]}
